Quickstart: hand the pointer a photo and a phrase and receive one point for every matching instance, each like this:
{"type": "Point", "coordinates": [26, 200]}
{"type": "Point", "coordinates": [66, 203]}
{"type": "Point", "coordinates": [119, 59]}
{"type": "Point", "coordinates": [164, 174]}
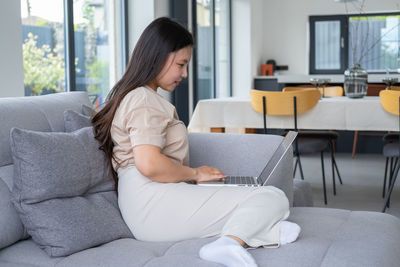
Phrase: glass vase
{"type": "Point", "coordinates": [355, 82]}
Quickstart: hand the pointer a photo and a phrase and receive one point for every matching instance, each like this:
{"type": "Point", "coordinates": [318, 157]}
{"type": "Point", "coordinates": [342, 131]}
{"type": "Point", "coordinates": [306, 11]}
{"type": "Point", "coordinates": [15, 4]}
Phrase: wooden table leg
{"type": "Point", "coordinates": [250, 130]}
{"type": "Point", "coordinates": [218, 130]}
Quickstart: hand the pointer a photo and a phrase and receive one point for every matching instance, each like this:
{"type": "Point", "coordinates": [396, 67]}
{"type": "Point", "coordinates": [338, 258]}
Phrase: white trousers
{"type": "Point", "coordinates": [177, 211]}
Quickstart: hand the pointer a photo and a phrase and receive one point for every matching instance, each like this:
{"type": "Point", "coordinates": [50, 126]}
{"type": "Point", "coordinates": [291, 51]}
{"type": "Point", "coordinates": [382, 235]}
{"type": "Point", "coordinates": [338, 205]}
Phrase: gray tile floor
{"type": "Point", "coordinates": [362, 182]}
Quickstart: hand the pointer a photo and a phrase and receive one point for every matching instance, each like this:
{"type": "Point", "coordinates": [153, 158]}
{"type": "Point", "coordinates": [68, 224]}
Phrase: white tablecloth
{"type": "Point", "coordinates": [336, 113]}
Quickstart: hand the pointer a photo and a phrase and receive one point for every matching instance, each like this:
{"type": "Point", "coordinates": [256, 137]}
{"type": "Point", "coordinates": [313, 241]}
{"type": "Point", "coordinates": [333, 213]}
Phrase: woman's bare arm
{"type": "Point", "coordinates": [153, 164]}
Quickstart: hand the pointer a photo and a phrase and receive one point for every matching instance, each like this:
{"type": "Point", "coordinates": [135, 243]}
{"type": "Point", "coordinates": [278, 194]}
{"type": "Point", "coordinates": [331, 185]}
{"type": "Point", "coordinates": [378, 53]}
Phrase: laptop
{"type": "Point", "coordinates": [266, 173]}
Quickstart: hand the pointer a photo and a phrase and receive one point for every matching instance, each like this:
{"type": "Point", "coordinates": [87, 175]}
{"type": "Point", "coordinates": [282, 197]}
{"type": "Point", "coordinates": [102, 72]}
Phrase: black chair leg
{"type": "Point", "coordinates": [395, 166]}
{"type": "Point", "coordinates": [323, 177]}
{"type": "Point", "coordinates": [386, 204]}
{"type": "Point", "coordinates": [392, 170]}
{"type": "Point", "coordinates": [384, 178]}
{"type": "Point", "coordinates": [334, 165]}
{"type": "Point", "coordinates": [295, 168]}
{"type": "Point", "coordinates": [333, 169]}
{"type": "Point", "coordinates": [300, 167]}
{"type": "Point", "coordinates": [337, 170]}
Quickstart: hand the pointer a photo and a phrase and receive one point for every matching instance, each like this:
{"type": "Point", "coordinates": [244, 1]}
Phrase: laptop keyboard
{"type": "Point", "coordinates": [239, 180]}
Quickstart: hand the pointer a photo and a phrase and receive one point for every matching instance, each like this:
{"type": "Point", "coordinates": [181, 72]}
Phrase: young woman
{"type": "Point", "coordinates": [147, 146]}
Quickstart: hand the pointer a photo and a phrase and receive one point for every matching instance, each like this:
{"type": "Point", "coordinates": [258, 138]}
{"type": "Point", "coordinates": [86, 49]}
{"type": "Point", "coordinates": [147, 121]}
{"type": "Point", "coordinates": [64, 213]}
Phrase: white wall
{"type": "Point", "coordinates": [241, 47]}
{"type": "Point", "coordinates": [285, 27]}
{"type": "Point", "coordinates": [247, 44]}
{"type": "Point", "coordinates": [11, 68]}
{"type": "Point", "coordinates": [257, 35]}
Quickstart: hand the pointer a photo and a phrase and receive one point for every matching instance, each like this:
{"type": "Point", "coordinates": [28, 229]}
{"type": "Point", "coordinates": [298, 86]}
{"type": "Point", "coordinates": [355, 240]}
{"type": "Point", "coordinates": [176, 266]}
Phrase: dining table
{"type": "Point", "coordinates": [330, 113]}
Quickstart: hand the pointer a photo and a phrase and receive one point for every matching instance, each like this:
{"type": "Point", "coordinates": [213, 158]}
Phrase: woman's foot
{"type": "Point", "coordinates": [227, 251]}
{"type": "Point", "coordinates": [288, 232]}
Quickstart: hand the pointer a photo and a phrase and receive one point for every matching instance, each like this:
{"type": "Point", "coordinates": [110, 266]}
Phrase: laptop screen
{"type": "Point", "coordinates": [278, 155]}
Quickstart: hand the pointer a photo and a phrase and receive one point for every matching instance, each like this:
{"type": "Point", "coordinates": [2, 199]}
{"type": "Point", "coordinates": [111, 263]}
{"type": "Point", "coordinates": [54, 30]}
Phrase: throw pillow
{"type": "Point", "coordinates": [74, 121]}
{"type": "Point", "coordinates": [63, 191]}
{"type": "Point", "coordinates": [87, 111]}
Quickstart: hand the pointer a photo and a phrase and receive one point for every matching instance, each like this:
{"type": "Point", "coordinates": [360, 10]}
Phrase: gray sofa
{"type": "Point", "coordinates": [329, 237]}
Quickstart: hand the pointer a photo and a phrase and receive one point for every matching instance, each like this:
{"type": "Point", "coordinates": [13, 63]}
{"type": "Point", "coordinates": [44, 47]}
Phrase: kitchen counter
{"type": "Point", "coordinates": [335, 78]}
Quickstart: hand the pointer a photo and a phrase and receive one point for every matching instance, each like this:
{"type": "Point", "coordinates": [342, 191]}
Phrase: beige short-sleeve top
{"type": "Point", "coordinates": [145, 117]}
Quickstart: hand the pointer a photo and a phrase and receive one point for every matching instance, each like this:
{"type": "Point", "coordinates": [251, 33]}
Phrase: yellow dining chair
{"type": "Point", "coordinates": [329, 91]}
{"type": "Point", "coordinates": [372, 91]}
{"type": "Point", "coordinates": [390, 101]}
{"type": "Point", "coordinates": [293, 103]}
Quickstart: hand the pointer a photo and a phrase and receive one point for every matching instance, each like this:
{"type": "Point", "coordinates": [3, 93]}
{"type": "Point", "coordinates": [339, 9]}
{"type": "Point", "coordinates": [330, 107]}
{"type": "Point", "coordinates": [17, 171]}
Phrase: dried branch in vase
{"type": "Point", "coordinates": [363, 44]}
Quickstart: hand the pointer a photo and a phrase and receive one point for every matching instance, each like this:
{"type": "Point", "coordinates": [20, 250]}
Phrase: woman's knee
{"type": "Point", "coordinates": [275, 199]}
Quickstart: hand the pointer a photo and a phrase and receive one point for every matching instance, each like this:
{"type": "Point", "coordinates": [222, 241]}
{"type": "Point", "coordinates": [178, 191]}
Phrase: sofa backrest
{"type": "Point", "coordinates": [242, 155]}
{"type": "Point", "coordinates": [41, 113]}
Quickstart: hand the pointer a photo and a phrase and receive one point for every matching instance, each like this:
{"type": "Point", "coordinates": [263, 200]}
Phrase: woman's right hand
{"type": "Point", "coordinates": [207, 173]}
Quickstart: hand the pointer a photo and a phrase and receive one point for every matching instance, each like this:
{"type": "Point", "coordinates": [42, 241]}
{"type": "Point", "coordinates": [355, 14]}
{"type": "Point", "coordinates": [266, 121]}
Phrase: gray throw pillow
{"type": "Point", "coordinates": [87, 111]}
{"type": "Point", "coordinates": [74, 121]}
{"type": "Point", "coordinates": [63, 191]}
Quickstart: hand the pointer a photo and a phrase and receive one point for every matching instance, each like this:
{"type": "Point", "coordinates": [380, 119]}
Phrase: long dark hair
{"type": "Point", "coordinates": [158, 40]}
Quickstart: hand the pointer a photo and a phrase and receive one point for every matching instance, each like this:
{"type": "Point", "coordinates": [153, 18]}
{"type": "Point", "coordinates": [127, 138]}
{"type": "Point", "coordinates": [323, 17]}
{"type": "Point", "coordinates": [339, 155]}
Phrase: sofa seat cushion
{"type": "Point", "coordinates": [329, 237]}
{"type": "Point", "coordinates": [63, 191]}
{"type": "Point", "coordinates": [27, 253]}
{"type": "Point", "coordinates": [335, 237]}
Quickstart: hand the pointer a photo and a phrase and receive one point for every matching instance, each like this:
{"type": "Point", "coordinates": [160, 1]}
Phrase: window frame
{"type": "Point", "coordinates": [214, 59]}
{"type": "Point", "coordinates": [344, 40]}
{"type": "Point", "coordinates": [345, 35]}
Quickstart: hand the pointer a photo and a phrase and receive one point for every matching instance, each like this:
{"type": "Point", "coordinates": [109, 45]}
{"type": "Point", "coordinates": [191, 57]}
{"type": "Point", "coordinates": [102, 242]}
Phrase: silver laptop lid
{"type": "Point", "coordinates": [278, 155]}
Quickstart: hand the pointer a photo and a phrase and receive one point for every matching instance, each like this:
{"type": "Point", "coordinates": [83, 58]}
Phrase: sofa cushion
{"type": "Point", "coordinates": [87, 111]}
{"type": "Point", "coordinates": [302, 194]}
{"type": "Point", "coordinates": [11, 226]}
{"type": "Point", "coordinates": [63, 191]}
{"type": "Point", "coordinates": [74, 121]}
{"type": "Point", "coordinates": [39, 113]}
{"type": "Point", "coordinates": [329, 237]}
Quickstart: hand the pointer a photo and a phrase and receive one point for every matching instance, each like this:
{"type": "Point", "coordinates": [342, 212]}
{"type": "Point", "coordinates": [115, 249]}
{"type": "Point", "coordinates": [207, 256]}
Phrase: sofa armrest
{"type": "Point", "coordinates": [242, 154]}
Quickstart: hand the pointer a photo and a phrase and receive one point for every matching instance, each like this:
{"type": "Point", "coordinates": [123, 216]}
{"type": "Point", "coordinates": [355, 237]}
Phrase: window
{"type": "Point", "coordinates": [91, 41]}
{"type": "Point", "coordinates": [93, 25]}
{"type": "Point", "coordinates": [213, 53]}
{"type": "Point", "coordinates": [43, 46]}
{"type": "Point", "coordinates": [339, 42]}
{"type": "Point", "coordinates": [222, 48]}
{"type": "Point", "coordinates": [205, 49]}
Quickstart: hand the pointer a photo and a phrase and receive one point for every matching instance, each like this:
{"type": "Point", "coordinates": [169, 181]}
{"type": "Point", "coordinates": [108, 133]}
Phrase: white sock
{"type": "Point", "coordinates": [288, 232]}
{"type": "Point", "coordinates": [227, 251]}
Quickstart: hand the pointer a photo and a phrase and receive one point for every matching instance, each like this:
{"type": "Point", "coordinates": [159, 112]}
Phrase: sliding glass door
{"type": "Point", "coordinates": [213, 54]}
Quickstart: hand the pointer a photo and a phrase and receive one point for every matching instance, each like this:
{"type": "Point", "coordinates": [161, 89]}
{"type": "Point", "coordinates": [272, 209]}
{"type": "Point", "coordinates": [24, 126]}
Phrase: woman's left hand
{"type": "Point", "coordinates": [207, 173]}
